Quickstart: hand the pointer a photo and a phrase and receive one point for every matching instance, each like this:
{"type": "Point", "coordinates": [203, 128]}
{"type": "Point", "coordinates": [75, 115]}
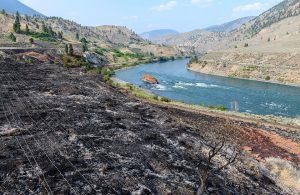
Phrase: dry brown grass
{"type": "Point", "coordinates": [283, 173]}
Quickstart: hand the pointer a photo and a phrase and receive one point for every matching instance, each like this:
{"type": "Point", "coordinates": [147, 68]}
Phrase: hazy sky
{"type": "Point", "coordinates": [145, 15]}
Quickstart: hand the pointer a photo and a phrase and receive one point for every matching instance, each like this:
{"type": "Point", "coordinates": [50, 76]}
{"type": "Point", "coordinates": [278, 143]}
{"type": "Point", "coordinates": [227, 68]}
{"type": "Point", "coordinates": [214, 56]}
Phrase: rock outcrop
{"type": "Point", "coordinates": [150, 79]}
{"type": "Point", "coordinates": [95, 59]}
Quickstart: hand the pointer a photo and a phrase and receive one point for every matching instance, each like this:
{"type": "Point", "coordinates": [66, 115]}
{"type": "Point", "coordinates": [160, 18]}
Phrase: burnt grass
{"type": "Point", "coordinates": [65, 132]}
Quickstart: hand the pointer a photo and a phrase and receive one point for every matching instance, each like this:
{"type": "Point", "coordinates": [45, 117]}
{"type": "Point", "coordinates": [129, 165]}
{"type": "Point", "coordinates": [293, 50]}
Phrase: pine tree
{"type": "Point", "coordinates": [66, 49]}
{"type": "Point", "coordinates": [27, 28]}
{"type": "Point", "coordinates": [83, 40]}
{"type": "Point", "coordinates": [17, 24]}
{"type": "Point", "coordinates": [77, 36]}
{"type": "Point", "coordinates": [60, 35]}
{"type": "Point", "coordinates": [84, 47]}
{"type": "Point", "coordinates": [44, 28]}
{"type": "Point", "coordinates": [51, 32]}
{"type": "Point", "coordinates": [12, 37]}
{"type": "Point", "coordinates": [3, 12]}
{"type": "Point", "coordinates": [70, 50]}
{"type": "Point", "coordinates": [31, 40]}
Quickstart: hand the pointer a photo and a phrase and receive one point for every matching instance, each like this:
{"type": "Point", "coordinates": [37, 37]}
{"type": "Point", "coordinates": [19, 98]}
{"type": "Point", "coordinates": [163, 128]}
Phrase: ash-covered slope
{"type": "Point", "coordinates": [65, 132]}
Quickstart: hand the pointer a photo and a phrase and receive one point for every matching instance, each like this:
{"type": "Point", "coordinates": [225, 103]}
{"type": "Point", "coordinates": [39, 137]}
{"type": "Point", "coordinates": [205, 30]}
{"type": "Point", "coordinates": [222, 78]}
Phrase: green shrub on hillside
{"type": "Point", "coordinates": [164, 99]}
{"type": "Point", "coordinates": [106, 74]}
{"type": "Point", "coordinates": [17, 24]}
{"type": "Point", "coordinates": [12, 37]}
{"type": "Point", "coordinates": [31, 40]}
{"type": "Point", "coordinates": [268, 78]}
{"type": "Point", "coordinates": [217, 107]}
{"type": "Point", "coordinates": [74, 61]}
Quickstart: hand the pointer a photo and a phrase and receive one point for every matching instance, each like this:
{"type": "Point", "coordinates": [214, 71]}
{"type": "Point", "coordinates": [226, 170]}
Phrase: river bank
{"type": "Point", "coordinates": [279, 68]}
{"type": "Point", "coordinates": [148, 96]}
{"type": "Point", "coordinates": [241, 78]}
{"type": "Point", "coordinates": [179, 84]}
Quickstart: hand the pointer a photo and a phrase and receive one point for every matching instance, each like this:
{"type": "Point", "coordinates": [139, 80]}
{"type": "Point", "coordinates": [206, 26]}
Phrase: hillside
{"type": "Point", "coordinates": [197, 40]}
{"type": "Point", "coordinates": [12, 6]}
{"type": "Point", "coordinates": [156, 34]}
{"type": "Point", "coordinates": [271, 55]}
{"type": "Point", "coordinates": [229, 26]}
{"type": "Point", "coordinates": [201, 41]}
{"type": "Point", "coordinates": [116, 45]}
{"type": "Point", "coordinates": [285, 9]}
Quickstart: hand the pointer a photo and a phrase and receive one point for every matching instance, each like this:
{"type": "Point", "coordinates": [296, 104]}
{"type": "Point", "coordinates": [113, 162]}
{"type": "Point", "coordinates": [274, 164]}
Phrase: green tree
{"type": "Point", "coordinates": [26, 18]}
{"type": "Point", "coordinates": [83, 40]}
{"type": "Point", "coordinates": [51, 32]}
{"type": "Point", "coordinates": [84, 47]}
{"type": "Point", "coordinates": [246, 45]}
{"type": "Point", "coordinates": [77, 36]}
{"type": "Point", "coordinates": [31, 40]}
{"type": "Point", "coordinates": [12, 37]}
{"type": "Point", "coordinates": [27, 28]}
{"type": "Point", "coordinates": [70, 50]}
{"type": "Point", "coordinates": [44, 28]}
{"type": "Point", "coordinates": [66, 49]}
{"type": "Point", "coordinates": [17, 24]}
{"type": "Point", "coordinates": [60, 35]}
{"type": "Point", "coordinates": [3, 11]}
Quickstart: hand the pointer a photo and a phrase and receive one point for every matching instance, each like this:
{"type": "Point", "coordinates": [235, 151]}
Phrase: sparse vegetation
{"type": "Point", "coordinates": [283, 173]}
{"type": "Point", "coordinates": [27, 28]}
{"type": "Point", "coordinates": [217, 107]}
{"type": "Point", "coordinates": [31, 40]}
{"type": "Point", "coordinates": [107, 74]}
{"type": "Point", "coordinates": [268, 78]}
{"type": "Point", "coordinates": [193, 60]}
{"type": "Point", "coordinates": [164, 99]}
{"type": "Point", "coordinates": [206, 167]}
{"type": "Point", "coordinates": [12, 37]}
{"type": "Point", "coordinates": [17, 24]}
{"type": "Point", "coordinates": [246, 45]}
{"type": "Point", "coordinates": [73, 61]}
{"type": "Point", "coordinates": [84, 47]}
{"type": "Point", "coordinates": [69, 49]}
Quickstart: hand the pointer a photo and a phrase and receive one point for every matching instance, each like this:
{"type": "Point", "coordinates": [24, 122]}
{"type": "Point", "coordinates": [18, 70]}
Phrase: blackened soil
{"type": "Point", "coordinates": [64, 132]}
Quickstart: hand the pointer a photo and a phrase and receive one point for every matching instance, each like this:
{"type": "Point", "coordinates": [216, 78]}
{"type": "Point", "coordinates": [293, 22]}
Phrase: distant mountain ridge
{"type": "Point", "coordinates": [155, 34]}
{"type": "Point", "coordinates": [12, 6]}
{"type": "Point", "coordinates": [229, 26]}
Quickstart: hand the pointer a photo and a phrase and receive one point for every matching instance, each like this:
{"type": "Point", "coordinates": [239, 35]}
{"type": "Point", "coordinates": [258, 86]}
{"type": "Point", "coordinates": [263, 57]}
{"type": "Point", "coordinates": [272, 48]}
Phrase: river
{"type": "Point", "coordinates": [181, 84]}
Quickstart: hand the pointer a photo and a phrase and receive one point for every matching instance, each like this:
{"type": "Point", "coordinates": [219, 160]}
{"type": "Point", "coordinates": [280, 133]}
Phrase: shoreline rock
{"type": "Point", "coordinates": [150, 79]}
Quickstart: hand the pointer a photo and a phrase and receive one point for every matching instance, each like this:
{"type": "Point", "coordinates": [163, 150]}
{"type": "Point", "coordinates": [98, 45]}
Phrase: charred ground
{"type": "Point", "coordinates": [63, 131]}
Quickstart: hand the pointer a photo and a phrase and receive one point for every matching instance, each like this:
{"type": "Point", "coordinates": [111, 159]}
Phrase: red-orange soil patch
{"type": "Point", "coordinates": [265, 144]}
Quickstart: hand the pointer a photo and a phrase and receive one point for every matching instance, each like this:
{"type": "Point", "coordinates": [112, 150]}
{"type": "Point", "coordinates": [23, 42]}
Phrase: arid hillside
{"type": "Point", "coordinates": [101, 37]}
{"type": "Point", "coordinates": [270, 53]}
